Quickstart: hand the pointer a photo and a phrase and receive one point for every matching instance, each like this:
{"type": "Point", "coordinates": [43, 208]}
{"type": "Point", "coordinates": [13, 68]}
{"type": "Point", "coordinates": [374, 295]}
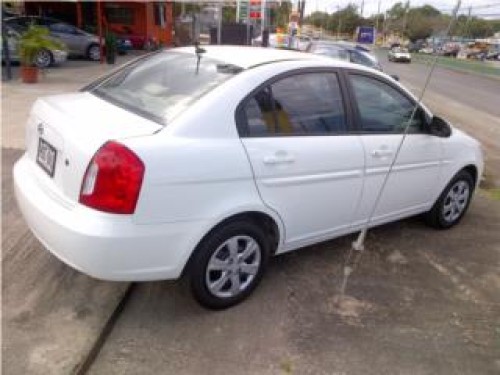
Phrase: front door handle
{"type": "Point", "coordinates": [381, 153]}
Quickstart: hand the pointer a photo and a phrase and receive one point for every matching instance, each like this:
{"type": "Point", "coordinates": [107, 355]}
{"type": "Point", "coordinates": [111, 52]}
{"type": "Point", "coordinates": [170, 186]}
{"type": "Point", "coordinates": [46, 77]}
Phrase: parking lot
{"type": "Point", "coordinates": [421, 301]}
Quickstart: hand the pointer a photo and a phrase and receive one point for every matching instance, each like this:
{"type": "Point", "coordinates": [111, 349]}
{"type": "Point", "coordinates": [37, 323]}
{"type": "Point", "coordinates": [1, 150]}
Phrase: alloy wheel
{"type": "Point", "coordinates": [456, 200]}
{"type": "Point", "coordinates": [233, 266]}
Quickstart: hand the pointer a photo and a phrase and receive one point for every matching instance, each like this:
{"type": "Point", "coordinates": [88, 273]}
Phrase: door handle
{"type": "Point", "coordinates": [279, 158]}
{"type": "Point", "coordinates": [381, 153]}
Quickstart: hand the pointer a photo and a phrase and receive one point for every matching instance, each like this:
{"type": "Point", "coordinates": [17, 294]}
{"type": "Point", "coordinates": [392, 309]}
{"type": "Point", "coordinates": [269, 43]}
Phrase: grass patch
{"type": "Point", "coordinates": [494, 194]}
{"type": "Point", "coordinates": [464, 65]}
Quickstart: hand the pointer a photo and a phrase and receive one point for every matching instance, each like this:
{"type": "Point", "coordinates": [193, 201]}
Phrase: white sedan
{"type": "Point", "coordinates": [397, 54]}
{"type": "Point", "coordinates": [206, 164]}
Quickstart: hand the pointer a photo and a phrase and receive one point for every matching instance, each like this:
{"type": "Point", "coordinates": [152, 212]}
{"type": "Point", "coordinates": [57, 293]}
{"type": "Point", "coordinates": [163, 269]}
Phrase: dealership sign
{"type": "Point", "coordinates": [365, 34]}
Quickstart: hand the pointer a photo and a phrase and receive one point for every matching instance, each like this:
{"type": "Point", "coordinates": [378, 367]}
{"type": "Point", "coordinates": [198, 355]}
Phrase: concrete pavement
{"type": "Point", "coordinates": [51, 315]}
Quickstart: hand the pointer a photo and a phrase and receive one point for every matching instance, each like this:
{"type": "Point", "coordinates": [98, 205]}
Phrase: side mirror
{"type": "Point", "coordinates": [439, 127]}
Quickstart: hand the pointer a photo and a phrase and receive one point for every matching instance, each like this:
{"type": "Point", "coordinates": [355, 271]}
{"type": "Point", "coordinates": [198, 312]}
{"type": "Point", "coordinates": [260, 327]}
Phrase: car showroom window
{"type": "Point", "coordinates": [382, 108]}
{"type": "Point", "coordinates": [301, 104]}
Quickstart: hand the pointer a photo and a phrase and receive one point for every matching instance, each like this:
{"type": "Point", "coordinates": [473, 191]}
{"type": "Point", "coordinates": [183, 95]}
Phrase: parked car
{"type": "Point", "coordinates": [79, 42]}
{"type": "Point", "coordinates": [43, 59]}
{"type": "Point", "coordinates": [346, 52]}
{"type": "Point", "coordinates": [299, 42]}
{"type": "Point", "coordinates": [207, 164]}
{"type": "Point", "coordinates": [398, 54]}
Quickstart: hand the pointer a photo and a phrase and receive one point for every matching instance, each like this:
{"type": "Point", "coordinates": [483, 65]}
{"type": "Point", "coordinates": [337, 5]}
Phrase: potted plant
{"type": "Point", "coordinates": [32, 42]}
{"type": "Point", "coordinates": [111, 47]}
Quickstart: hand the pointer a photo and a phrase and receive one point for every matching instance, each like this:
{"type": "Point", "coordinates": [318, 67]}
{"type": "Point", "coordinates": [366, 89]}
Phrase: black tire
{"type": "Point", "coordinates": [211, 248]}
{"type": "Point", "coordinates": [437, 217]}
{"type": "Point", "coordinates": [43, 58]}
{"type": "Point", "coordinates": [93, 52]}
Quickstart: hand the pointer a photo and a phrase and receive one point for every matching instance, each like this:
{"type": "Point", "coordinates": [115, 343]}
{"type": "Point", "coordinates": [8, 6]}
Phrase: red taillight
{"type": "Point", "coordinates": [113, 180]}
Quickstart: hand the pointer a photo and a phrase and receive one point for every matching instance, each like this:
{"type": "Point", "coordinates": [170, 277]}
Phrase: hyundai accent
{"type": "Point", "coordinates": [205, 162]}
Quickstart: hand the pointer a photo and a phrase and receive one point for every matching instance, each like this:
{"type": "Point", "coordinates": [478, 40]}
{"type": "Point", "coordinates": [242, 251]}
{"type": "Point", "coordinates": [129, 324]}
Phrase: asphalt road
{"type": "Point", "coordinates": [472, 90]}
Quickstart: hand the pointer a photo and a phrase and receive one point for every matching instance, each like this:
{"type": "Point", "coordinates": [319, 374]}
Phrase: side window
{"type": "Point", "coordinates": [303, 104]}
{"type": "Point", "coordinates": [384, 109]}
{"type": "Point", "coordinates": [62, 28]}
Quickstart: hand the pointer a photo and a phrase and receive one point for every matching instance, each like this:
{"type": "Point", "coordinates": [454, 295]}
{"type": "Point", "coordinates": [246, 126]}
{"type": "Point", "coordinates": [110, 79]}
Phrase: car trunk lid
{"type": "Point", "coordinates": [65, 131]}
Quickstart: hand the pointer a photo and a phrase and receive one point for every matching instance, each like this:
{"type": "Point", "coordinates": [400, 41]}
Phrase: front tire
{"type": "Point", "coordinates": [94, 52]}
{"type": "Point", "coordinates": [229, 264]}
{"type": "Point", "coordinates": [452, 203]}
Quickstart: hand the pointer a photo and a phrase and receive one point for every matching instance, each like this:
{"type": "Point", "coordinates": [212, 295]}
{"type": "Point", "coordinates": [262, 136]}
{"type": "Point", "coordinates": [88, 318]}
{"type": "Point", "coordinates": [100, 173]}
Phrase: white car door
{"type": "Point", "coordinates": [383, 112]}
{"type": "Point", "coordinates": [307, 166]}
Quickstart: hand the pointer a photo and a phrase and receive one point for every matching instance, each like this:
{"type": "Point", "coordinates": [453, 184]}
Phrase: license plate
{"type": "Point", "coordinates": [46, 157]}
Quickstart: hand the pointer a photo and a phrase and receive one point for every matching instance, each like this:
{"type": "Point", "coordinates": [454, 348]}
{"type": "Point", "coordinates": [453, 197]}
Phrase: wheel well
{"type": "Point", "coordinates": [472, 170]}
{"type": "Point", "coordinates": [263, 220]}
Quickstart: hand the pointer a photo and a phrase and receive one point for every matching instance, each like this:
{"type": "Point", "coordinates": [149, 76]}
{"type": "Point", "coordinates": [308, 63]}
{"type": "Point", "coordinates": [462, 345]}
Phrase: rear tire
{"type": "Point", "coordinates": [453, 202]}
{"type": "Point", "coordinates": [229, 264]}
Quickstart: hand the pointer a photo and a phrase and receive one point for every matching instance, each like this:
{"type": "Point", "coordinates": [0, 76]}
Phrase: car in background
{"type": "Point", "coordinates": [280, 40]}
{"type": "Point", "coordinates": [399, 54]}
{"type": "Point", "coordinates": [79, 42]}
{"type": "Point", "coordinates": [206, 167]}
{"type": "Point", "coordinates": [345, 51]}
{"type": "Point", "coordinates": [44, 57]}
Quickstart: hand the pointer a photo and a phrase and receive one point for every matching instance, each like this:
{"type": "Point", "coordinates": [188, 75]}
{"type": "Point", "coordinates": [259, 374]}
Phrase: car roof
{"type": "Point", "coordinates": [248, 57]}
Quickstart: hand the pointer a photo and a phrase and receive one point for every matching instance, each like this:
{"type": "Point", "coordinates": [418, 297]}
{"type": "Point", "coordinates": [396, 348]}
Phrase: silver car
{"type": "Point", "coordinates": [43, 59]}
{"type": "Point", "coordinates": [79, 42]}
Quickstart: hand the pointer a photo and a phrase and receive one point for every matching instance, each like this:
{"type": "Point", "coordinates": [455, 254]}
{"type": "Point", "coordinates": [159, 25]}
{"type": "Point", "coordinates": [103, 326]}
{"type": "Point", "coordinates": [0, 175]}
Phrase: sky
{"type": "Point", "coordinates": [483, 8]}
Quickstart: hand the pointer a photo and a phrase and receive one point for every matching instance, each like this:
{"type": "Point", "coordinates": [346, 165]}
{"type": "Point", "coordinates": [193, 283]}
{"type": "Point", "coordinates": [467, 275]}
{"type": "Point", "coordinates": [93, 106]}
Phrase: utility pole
{"type": "Point", "coordinates": [339, 25]}
{"type": "Point", "coordinates": [362, 7]}
{"type": "Point", "coordinates": [469, 16]}
{"type": "Point", "coordinates": [405, 18]}
{"type": "Point", "coordinates": [378, 13]}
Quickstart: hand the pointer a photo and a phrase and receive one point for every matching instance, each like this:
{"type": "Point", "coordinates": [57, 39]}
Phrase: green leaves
{"type": "Point", "coordinates": [34, 39]}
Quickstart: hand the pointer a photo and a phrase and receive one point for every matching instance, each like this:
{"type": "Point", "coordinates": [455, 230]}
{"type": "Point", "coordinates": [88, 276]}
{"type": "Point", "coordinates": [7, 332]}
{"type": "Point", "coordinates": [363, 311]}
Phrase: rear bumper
{"type": "Point", "coordinates": [104, 246]}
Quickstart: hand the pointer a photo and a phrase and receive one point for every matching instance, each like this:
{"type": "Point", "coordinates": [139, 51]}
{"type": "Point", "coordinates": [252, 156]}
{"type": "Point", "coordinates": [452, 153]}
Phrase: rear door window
{"type": "Point", "coordinates": [302, 104]}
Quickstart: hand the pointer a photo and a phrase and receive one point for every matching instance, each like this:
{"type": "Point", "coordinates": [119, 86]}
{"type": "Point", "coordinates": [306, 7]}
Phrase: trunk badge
{"type": "Point", "coordinates": [40, 128]}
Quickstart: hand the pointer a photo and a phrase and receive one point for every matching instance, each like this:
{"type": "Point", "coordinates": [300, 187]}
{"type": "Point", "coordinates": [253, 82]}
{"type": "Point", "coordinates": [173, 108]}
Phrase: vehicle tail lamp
{"type": "Point", "coordinates": [113, 180]}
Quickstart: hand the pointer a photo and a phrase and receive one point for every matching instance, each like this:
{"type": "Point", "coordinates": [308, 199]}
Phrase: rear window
{"type": "Point", "coordinates": [164, 84]}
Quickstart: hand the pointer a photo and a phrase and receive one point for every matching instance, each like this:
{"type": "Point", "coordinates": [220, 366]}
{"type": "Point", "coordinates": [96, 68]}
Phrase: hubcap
{"type": "Point", "coordinates": [94, 53]}
{"type": "Point", "coordinates": [43, 59]}
{"type": "Point", "coordinates": [456, 200]}
{"type": "Point", "coordinates": [233, 266]}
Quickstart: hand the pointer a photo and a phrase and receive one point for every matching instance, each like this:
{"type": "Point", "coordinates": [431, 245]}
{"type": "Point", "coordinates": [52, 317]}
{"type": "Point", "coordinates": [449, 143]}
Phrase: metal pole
{"type": "Point", "coordinates": [99, 30]}
{"type": "Point", "coordinates": [238, 11]}
{"type": "Point", "coordinates": [262, 17]}
{"type": "Point", "coordinates": [248, 24]}
{"type": "Point", "coordinates": [219, 24]}
{"type": "Point", "coordinates": [378, 12]}
{"type": "Point", "coordinates": [5, 47]}
{"type": "Point", "coordinates": [339, 26]}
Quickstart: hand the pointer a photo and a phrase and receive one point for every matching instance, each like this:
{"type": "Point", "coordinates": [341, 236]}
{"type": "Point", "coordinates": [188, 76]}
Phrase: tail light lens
{"type": "Point", "coordinates": [113, 180]}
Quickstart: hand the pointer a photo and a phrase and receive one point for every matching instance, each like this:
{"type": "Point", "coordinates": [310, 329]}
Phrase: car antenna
{"type": "Point", "coordinates": [358, 246]}
{"type": "Point", "coordinates": [199, 53]}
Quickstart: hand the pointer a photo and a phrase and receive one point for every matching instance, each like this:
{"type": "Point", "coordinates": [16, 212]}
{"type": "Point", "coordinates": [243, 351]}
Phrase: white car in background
{"type": "Point", "coordinates": [206, 165]}
{"type": "Point", "coordinates": [399, 54]}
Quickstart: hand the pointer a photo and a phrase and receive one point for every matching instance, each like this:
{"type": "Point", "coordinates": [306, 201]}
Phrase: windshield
{"type": "Point", "coordinates": [164, 84]}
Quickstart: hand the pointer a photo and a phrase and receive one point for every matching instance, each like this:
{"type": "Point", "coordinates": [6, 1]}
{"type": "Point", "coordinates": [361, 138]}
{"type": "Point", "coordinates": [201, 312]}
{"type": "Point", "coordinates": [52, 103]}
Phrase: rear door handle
{"type": "Point", "coordinates": [279, 158]}
{"type": "Point", "coordinates": [381, 153]}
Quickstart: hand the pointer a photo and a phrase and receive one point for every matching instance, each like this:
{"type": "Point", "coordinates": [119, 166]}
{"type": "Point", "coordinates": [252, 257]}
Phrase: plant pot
{"type": "Point", "coordinates": [29, 74]}
{"type": "Point", "coordinates": [111, 57]}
